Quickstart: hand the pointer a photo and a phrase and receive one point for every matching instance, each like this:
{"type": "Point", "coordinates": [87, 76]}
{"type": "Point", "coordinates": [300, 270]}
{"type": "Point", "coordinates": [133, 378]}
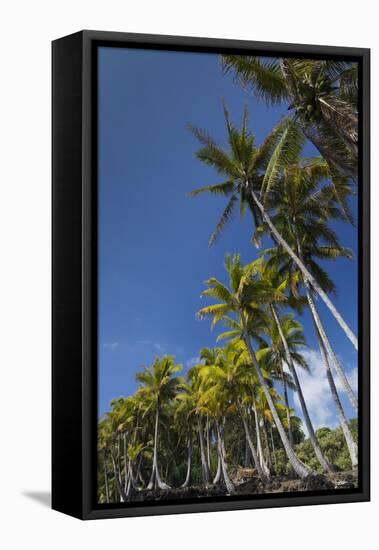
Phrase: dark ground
{"type": "Point", "coordinates": [253, 486]}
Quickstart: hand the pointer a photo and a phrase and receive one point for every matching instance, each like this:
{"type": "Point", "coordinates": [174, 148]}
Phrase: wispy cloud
{"type": "Point", "coordinates": [316, 390]}
{"type": "Point", "coordinates": [156, 345]}
{"type": "Point", "coordinates": [112, 346]}
{"type": "Point", "coordinates": [192, 361]}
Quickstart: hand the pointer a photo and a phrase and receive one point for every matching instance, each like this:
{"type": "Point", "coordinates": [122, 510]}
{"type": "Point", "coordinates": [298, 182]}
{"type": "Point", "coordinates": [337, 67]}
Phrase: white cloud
{"type": "Point", "coordinates": [192, 361]}
{"type": "Point", "coordinates": [156, 345]}
{"type": "Point", "coordinates": [112, 346]}
{"type": "Point", "coordinates": [316, 390]}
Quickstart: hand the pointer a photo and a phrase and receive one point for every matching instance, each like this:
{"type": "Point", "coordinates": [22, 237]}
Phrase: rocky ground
{"type": "Point", "coordinates": [253, 486]}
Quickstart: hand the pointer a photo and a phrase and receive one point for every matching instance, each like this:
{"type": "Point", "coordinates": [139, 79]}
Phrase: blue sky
{"type": "Point", "coordinates": [153, 238]}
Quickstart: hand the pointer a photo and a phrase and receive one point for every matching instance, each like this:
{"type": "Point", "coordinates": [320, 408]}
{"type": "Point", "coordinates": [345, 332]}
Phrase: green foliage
{"type": "Point", "coordinates": [333, 446]}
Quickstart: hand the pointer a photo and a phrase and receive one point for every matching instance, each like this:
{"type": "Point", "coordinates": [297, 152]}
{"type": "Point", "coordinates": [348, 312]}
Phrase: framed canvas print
{"type": "Point", "coordinates": [210, 275]}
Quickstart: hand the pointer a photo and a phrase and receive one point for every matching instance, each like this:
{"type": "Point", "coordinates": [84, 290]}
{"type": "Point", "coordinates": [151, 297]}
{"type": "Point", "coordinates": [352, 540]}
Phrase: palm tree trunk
{"type": "Point", "coordinates": [106, 478]}
{"type": "Point", "coordinates": [208, 445]}
{"type": "Point", "coordinates": [351, 445]}
{"type": "Point", "coordinates": [273, 445]}
{"type": "Point", "coordinates": [329, 349]}
{"type": "Point", "coordinates": [301, 469]}
{"type": "Point", "coordinates": [221, 450]}
{"type": "Point", "coordinates": [155, 476]}
{"type": "Point", "coordinates": [259, 444]}
{"type": "Point", "coordinates": [247, 453]}
{"type": "Point", "coordinates": [217, 477]}
{"type": "Point", "coordinates": [266, 443]}
{"type": "Point", "coordinates": [306, 274]}
{"type": "Point", "coordinates": [286, 401]}
{"type": "Point", "coordinates": [262, 474]}
{"type": "Point", "coordinates": [118, 480]}
{"type": "Point", "coordinates": [125, 464]}
{"type": "Point", "coordinates": [139, 474]}
{"type": "Point", "coordinates": [189, 461]}
{"type": "Point", "coordinates": [312, 436]}
{"type": "Point", "coordinates": [204, 463]}
{"type": "Point", "coordinates": [321, 332]}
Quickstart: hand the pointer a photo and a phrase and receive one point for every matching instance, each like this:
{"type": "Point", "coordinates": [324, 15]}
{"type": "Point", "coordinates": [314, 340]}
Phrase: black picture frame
{"type": "Point", "coordinates": [74, 294]}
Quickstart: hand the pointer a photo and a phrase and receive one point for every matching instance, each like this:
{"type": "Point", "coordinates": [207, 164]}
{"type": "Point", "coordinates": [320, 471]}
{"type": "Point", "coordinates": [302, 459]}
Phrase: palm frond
{"type": "Point", "coordinates": [262, 76]}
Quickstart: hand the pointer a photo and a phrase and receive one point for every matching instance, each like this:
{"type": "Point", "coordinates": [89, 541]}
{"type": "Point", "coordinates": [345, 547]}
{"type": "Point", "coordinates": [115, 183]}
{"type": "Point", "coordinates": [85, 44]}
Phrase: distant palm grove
{"type": "Point", "coordinates": [225, 426]}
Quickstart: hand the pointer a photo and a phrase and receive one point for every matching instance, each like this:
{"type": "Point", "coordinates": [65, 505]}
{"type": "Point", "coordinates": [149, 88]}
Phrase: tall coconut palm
{"type": "Point", "coordinates": [251, 174]}
{"type": "Point", "coordinates": [303, 209]}
{"type": "Point", "coordinates": [159, 384]}
{"type": "Point", "coordinates": [322, 95]}
{"type": "Point", "coordinates": [245, 290]}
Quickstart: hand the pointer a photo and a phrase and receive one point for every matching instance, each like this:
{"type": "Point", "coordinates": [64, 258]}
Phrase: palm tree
{"type": "Point", "coordinates": [251, 174]}
{"type": "Point", "coordinates": [245, 290]}
{"type": "Point", "coordinates": [322, 96]}
{"type": "Point", "coordinates": [196, 395]}
{"type": "Point", "coordinates": [103, 441]}
{"type": "Point", "coordinates": [185, 407]}
{"type": "Point", "coordinates": [216, 404]}
{"type": "Point", "coordinates": [273, 357]}
{"type": "Point", "coordinates": [115, 421]}
{"type": "Point", "coordinates": [287, 337]}
{"type": "Point", "coordinates": [231, 376]}
{"type": "Point", "coordinates": [159, 385]}
{"type": "Point", "coordinates": [263, 415]}
{"type": "Point", "coordinates": [303, 210]}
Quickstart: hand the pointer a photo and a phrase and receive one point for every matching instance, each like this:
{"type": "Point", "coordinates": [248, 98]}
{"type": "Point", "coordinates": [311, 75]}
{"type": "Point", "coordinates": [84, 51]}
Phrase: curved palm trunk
{"type": "Point", "coordinates": [118, 480]}
{"type": "Point", "coordinates": [139, 474]}
{"type": "Point", "coordinates": [351, 445]}
{"type": "Point", "coordinates": [259, 444]}
{"type": "Point", "coordinates": [204, 464]}
{"type": "Point", "coordinates": [273, 445]}
{"type": "Point", "coordinates": [247, 460]}
{"type": "Point", "coordinates": [325, 340]}
{"type": "Point", "coordinates": [301, 469]}
{"type": "Point", "coordinates": [287, 403]}
{"type": "Point", "coordinates": [217, 477]}
{"type": "Point", "coordinates": [307, 275]}
{"type": "Point", "coordinates": [262, 474]}
{"type": "Point", "coordinates": [224, 468]}
{"type": "Point", "coordinates": [106, 478]}
{"type": "Point", "coordinates": [312, 436]}
{"type": "Point", "coordinates": [155, 479]}
{"type": "Point", "coordinates": [208, 444]}
{"type": "Point", "coordinates": [125, 465]}
{"type": "Point", "coordinates": [189, 461]}
{"type": "Point", "coordinates": [266, 443]}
